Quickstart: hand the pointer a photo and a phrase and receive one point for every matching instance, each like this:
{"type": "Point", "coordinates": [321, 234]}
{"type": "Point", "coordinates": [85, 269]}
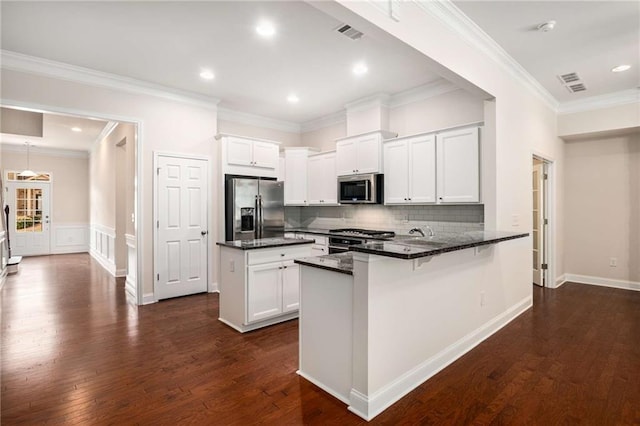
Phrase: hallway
{"type": "Point", "coordinates": [74, 351]}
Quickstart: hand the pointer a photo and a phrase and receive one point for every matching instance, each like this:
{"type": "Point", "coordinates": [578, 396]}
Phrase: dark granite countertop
{"type": "Point", "coordinates": [263, 243]}
{"type": "Point", "coordinates": [411, 247]}
{"type": "Point", "coordinates": [320, 231]}
{"type": "Point", "coordinates": [338, 262]}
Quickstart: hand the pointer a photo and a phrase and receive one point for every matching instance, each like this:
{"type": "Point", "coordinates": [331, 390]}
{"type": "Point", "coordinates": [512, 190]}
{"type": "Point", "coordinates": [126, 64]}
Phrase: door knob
{"type": "Point", "coordinates": [203, 233]}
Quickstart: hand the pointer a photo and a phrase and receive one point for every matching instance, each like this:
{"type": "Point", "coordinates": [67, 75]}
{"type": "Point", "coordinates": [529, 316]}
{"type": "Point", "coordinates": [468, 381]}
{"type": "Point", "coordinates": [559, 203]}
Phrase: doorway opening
{"type": "Point", "coordinates": [541, 212]}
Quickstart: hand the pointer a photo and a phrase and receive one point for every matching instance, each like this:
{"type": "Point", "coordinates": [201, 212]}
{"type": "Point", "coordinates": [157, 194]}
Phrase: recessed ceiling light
{"type": "Point", "coordinates": [293, 99]}
{"type": "Point", "coordinates": [545, 27]}
{"type": "Point", "coordinates": [266, 29]}
{"type": "Point", "coordinates": [620, 68]}
{"type": "Point", "coordinates": [360, 69]}
{"type": "Point", "coordinates": [207, 75]}
{"type": "Point", "coordinates": [76, 129]}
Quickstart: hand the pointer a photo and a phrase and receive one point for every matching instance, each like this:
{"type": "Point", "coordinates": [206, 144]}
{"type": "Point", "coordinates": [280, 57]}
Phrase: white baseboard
{"type": "Point", "coordinates": [604, 282]}
{"type": "Point", "coordinates": [121, 273]}
{"type": "Point", "coordinates": [3, 278]}
{"type": "Point", "coordinates": [324, 387]}
{"type": "Point", "coordinates": [130, 288]}
{"type": "Point", "coordinates": [106, 263]}
{"type": "Point", "coordinates": [148, 298]}
{"type": "Point", "coordinates": [214, 288]}
{"type": "Point", "coordinates": [560, 280]}
{"type": "Point", "coordinates": [368, 407]}
{"type": "Point", "coordinates": [70, 250]}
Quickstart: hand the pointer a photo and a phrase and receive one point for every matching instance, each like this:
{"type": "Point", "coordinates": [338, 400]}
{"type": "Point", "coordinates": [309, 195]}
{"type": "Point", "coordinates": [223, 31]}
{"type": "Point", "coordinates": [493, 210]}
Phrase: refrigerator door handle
{"type": "Point", "coordinates": [261, 224]}
{"type": "Point", "coordinates": [256, 219]}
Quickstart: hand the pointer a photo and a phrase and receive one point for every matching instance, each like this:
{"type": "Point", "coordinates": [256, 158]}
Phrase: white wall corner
{"type": "Point", "coordinates": [214, 288]}
{"type": "Point", "coordinates": [148, 298]}
{"type": "Point", "coordinates": [453, 18]}
{"type": "Point", "coordinates": [560, 280]}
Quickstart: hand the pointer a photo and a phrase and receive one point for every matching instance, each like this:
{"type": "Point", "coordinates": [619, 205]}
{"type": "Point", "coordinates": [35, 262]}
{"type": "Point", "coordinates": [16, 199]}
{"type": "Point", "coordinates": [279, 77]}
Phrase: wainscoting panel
{"type": "Point", "coordinates": [70, 238]}
{"type": "Point", "coordinates": [131, 285]}
{"type": "Point", "coordinates": [102, 247]}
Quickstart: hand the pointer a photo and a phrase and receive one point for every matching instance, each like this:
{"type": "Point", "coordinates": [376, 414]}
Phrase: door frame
{"type": "Point", "coordinates": [549, 200]}
{"type": "Point", "coordinates": [138, 205]}
{"type": "Point", "coordinates": [156, 156]}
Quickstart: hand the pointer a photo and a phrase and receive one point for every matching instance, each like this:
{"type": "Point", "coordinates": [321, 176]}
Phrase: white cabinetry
{"type": "Point", "coordinates": [458, 166]}
{"type": "Point", "coordinates": [248, 156]}
{"type": "Point", "coordinates": [360, 154]}
{"type": "Point", "coordinates": [320, 245]}
{"type": "Point", "coordinates": [322, 180]}
{"type": "Point", "coordinates": [433, 168]}
{"type": "Point", "coordinates": [409, 169]}
{"type": "Point", "coordinates": [296, 175]}
{"type": "Point", "coordinates": [259, 287]}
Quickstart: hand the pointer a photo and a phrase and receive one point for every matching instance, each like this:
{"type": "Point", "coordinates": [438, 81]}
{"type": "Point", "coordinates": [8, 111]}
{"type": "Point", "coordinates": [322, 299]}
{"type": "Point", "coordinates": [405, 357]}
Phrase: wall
{"type": "Point", "coordinates": [165, 125]}
{"type": "Point", "coordinates": [110, 186]}
{"type": "Point", "coordinates": [69, 194]}
{"type": "Point", "coordinates": [401, 219]}
{"type": "Point", "coordinates": [286, 138]}
{"type": "Point", "coordinates": [599, 120]}
{"type": "Point", "coordinates": [603, 210]}
{"type": "Point", "coordinates": [324, 138]}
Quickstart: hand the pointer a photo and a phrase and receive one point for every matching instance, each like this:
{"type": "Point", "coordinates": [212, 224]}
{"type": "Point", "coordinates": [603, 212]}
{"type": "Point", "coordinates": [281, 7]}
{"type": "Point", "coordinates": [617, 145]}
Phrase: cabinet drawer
{"type": "Point", "coordinates": [319, 239]}
{"type": "Point", "coordinates": [277, 254]}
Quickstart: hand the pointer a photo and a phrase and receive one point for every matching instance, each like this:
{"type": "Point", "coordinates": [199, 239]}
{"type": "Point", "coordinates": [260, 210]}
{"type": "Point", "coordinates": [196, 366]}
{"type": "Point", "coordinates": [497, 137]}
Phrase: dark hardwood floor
{"type": "Point", "coordinates": [75, 352]}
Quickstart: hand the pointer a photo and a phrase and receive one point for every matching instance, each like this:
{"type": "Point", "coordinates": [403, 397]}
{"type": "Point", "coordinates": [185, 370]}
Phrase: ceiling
{"type": "Point", "coordinates": [170, 43]}
{"type": "Point", "coordinates": [590, 38]}
{"type": "Point", "coordinates": [57, 134]}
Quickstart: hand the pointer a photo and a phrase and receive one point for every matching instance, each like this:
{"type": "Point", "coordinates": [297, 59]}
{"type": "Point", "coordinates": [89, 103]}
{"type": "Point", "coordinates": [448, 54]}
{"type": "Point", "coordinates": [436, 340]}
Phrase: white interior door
{"type": "Point", "coordinates": [538, 223]}
{"type": "Point", "coordinates": [182, 238]}
{"type": "Point", "coordinates": [29, 218]}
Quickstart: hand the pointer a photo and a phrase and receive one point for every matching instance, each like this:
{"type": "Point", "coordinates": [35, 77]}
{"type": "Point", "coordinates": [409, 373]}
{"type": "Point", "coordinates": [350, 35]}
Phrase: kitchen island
{"type": "Point", "coordinates": [380, 320]}
{"type": "Point", "coordinates": [259, 283]}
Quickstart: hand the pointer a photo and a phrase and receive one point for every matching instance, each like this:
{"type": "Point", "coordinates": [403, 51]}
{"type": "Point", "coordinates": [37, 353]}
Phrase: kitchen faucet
{"type": "Point", "coordinates": [421, 232]}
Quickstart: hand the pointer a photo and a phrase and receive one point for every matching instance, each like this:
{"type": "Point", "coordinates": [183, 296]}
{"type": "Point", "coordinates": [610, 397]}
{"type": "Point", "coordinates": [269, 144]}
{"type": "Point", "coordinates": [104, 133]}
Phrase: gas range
{"type": "Point", "coordinates": [363, 233]}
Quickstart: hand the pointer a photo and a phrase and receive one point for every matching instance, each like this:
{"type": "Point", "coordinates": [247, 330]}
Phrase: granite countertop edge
{"type": "Point", "coordinates": [263, 243]}
{"type": "Point", "coordinates": [318, 264]}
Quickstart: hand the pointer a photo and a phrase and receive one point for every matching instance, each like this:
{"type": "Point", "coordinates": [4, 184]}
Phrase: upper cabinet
{"type": "Point", "coordinates": [296, 176]}
{"type": "Point", "coordinates": [409, 168]}
{"type": "Point", "coordinates": [433, 168]}
{"type": "Point", "coordinates": [458, 166]}
{"type": "Point", "coordinates": [250, 157]}
{"type": "Point", "coordinates": [360, 154]}
{"type": "Point", "coordinates": [322, 179]}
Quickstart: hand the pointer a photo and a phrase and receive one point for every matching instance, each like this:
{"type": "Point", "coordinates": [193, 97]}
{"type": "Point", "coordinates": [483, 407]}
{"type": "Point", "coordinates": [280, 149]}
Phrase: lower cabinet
{"type": "Point", "coordinates": [260, 287]}
{"type": "Point", "coordinates": [272, 289]}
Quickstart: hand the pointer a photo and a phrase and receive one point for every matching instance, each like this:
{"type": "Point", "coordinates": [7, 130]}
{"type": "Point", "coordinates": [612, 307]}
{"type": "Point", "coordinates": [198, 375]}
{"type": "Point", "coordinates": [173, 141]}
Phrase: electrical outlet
{"type": "Point", "coordinates": [613, 262]}
{"type": "Point", "coordinates": [483, 299]}
{"type": "Point", "coordinates": [232, 265]}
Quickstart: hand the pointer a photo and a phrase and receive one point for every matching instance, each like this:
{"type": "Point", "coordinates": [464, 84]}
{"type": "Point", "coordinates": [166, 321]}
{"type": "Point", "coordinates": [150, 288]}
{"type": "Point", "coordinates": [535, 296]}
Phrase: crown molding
{"type": "Point", "coordinates": [421, 93]}
{"type": "Point", "coordinates": [106, 131]}
{"type": "Point", "coordinates": [326, 121]}
{"type": "Point", "coordinates": [30, 64]}
{"type": "Point", "coordinates": [226, 114]}
{"type": "Point", "coordinates": [452, 17]}
{"type": "Point", "coordinates": [50, 152]}
{"type": "Point", "coordinates": [608, 100]}
{"type": "Point", "coordinates": [376, 100]}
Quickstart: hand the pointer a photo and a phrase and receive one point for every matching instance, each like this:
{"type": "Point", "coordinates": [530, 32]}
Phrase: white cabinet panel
{"type": "Point", "coordinates": [422, 166]}
{"type": "Point", "coordinates": [239, 151]}
{"type": "Point", "coordinates": [410, 170]}
{"type": "Point", "coordinates": [265, 155]}
{"type": "Point", "coordinates": [458, 166]}
{"type": "Point", "coordinates": [290, 287]}
{"type": "Point", "coordinates": [360, 154]}
{"type": "Point", "coordinates": [264, 291]}
{"type": "Point", "coordinates": [322, 180]}
{"type": "Point", "coordinates": [396, 182]}
{"type": "Point", "coordinates": [295, 185]}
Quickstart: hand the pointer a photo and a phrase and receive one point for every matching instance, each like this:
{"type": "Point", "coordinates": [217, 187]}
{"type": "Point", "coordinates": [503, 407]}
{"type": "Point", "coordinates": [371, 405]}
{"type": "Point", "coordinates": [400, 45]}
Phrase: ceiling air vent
{"type": "Point", "coordinates": [569, 78]}
{"type": "Point", "coordinates": [572, 82]}
{"type": "Point", "coordinates": [349, 31]}
{"type": "Point", "coordinates": [573, 88]}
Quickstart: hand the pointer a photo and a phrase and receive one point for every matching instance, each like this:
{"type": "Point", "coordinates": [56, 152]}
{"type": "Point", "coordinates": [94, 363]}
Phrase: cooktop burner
{"type": "Point", "coordinates": [357, 232]}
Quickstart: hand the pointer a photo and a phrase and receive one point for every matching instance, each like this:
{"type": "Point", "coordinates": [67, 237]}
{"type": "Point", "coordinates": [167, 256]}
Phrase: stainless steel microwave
{"type": "Point", "coordinates": [360, 189]}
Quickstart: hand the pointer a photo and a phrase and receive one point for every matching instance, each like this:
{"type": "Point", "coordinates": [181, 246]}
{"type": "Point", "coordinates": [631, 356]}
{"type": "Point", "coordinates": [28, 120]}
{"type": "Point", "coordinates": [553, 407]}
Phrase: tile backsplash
{"type": "Point", "coordinates": [394, 218]}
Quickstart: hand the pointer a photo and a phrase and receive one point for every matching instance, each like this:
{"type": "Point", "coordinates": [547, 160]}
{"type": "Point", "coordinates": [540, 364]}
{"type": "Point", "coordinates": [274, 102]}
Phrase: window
{"type": "Point", "coordinates": [40, 177]}
{"type": "Point", "coordinates": [28, 210]}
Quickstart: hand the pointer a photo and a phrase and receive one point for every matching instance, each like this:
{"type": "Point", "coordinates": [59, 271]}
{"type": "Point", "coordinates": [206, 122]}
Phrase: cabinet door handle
{"type": "Point", "coordinates": [285, 267]}
{"type": "Point", "coordinates": [282, 254]}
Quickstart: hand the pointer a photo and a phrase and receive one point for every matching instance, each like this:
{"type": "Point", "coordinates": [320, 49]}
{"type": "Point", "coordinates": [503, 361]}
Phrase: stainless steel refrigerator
{"type": "Point", "coordinates": [254, 208]}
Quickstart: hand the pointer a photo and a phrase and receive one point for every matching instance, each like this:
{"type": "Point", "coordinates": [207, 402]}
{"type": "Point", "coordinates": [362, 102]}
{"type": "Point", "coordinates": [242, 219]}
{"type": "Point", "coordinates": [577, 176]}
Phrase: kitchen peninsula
{"type": "Point", "coordinates": [378, 321]}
